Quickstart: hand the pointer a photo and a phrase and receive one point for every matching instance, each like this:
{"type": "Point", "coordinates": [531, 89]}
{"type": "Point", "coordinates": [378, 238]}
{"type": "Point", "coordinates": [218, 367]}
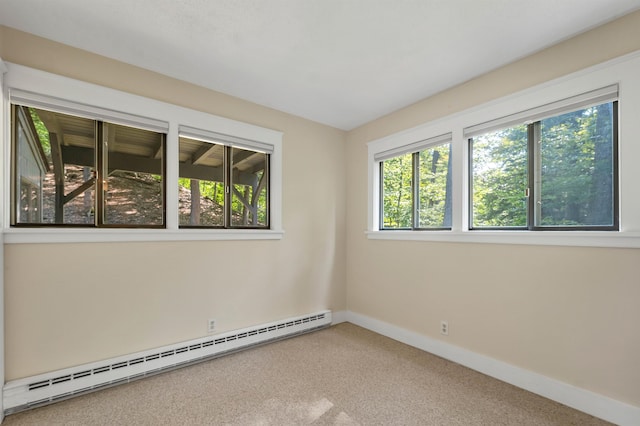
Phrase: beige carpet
{"type": "Point", "coordinates": [343, 375]}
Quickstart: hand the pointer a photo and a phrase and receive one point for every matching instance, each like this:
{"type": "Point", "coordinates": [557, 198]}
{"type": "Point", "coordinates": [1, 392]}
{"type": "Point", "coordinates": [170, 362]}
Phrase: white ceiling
{"type": "Point", "coordinates": [338, 62]}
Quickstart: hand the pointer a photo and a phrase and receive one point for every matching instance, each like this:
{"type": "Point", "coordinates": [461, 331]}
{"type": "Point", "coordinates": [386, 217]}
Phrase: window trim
{"type": "Point", "coordinates": [413, 147]}
{"type": "Point", "coordinates": [222, 139]}
{"type": "Point", "coordinates": [20, 79]}
{"type": "Point", "coordinates": [552, 109]}
{"type": "Point", "coordinates": [91, 112]}
{"type": "Point", "coordinates": [620, 71]}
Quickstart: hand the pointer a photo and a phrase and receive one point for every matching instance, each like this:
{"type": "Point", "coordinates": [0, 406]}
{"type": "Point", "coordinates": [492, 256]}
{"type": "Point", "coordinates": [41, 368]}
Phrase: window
{"type": "Point", "coordinates": [72, 170]}
{"type": "Point", "coordinates": [249, 182]}
{"type": "Point", "coordinates": [121, 172]}
{"type": "Point", "coordinates": [499, 178]}
{"type": "Point", "coordinates": [224, 182]}
{"type": "Point", "coordinates": [416, 186]}
{"type": "Point", "coordinates": [397, 192]}
{"type": "Point", "coordinates": [556, 173]}
{"type": "Point", "coordinates": [551, 165]}
{"type": "Point", "coordinates": [201, 195]}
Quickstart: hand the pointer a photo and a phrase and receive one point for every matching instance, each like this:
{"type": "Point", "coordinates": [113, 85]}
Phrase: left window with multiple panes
{"type": "Point", "coordinates": [74, 170]}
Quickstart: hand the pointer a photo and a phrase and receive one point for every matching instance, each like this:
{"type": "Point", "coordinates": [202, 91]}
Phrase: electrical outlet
{"type": "Point", "coordinates": [211, 326]}
{"type": "Point", "coordinates": [444, 328]}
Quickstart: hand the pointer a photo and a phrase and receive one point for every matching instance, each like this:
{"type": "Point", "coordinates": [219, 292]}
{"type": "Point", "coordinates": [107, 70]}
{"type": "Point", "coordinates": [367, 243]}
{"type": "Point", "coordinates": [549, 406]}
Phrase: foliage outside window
{"type": "Point", "coordinates": [222, 186]}
{"type": "Point", "coordinates": [500, 178]}
{"type": "Point", "coordinates": [416, 189]}
{"type": "Point", "coordinates": [556, 173]}
{"type": "Point", "coordinates": [71, 170]}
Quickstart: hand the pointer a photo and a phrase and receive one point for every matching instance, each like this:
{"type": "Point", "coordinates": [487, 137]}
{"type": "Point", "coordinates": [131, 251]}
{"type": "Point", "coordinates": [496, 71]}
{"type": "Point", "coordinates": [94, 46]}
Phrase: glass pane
{"type": "Point", "coordinates": [397, 194]}
{"type": "Point", "coordinates": [576, 169]}
{"type": "Point", "coordinates": [48, 191]}
{"type": "Point", "coordinates": [434, 188]}
{"type": "Point", "coordinates": [250, 188]}
{"type": "Point", "coordinates": [499, 178]}
{"type": "Point", "coordinates": [201, 183]}
{"type": "Point", "coordinates": [133, 189]}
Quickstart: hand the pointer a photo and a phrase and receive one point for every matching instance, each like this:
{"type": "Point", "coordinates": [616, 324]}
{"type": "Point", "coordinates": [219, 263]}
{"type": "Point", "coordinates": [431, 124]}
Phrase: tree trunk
{"type": "Point", "coordinates": [447, 200]}
{"type": "Point", "coordinates": [194, 217]}
{"type": "Point", "coordinates": [601, 211]}
{"type": "Point", "coordinates": [245, 210]}
{"type": "Point", "coordinates": [434, 170]}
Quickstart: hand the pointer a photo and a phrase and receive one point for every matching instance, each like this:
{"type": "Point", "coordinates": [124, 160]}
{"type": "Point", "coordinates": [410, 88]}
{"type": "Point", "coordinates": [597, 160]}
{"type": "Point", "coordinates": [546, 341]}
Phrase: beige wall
{"type": "Point", "coordinates": [85, 302]}
{"type": "Point", "coordinates": [567, 313]}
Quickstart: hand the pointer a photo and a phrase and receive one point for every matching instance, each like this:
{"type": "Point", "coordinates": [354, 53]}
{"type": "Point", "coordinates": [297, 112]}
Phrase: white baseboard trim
{"type": "Point", "coordinates": [583, 400]}
{"type": "Point", "coordinates": [43, 389]}
{"type": "Point", "coordinates": [338, 317]}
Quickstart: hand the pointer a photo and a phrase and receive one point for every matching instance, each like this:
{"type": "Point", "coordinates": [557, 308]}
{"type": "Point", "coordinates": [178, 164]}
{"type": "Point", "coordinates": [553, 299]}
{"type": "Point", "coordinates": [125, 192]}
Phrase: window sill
{"type": "Point", "coordinates": [548, 238]}
{"type": "Point", "coordinates": [59, 235]}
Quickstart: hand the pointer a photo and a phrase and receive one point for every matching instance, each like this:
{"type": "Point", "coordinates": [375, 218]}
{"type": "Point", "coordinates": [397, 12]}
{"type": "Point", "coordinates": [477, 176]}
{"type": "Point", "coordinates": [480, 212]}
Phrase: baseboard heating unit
{"type": "Point", "coordinates": [55, 386]}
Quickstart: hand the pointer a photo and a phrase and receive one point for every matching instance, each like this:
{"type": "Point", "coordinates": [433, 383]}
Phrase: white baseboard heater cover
{"type": "Point", "coordinates": [55, 386]}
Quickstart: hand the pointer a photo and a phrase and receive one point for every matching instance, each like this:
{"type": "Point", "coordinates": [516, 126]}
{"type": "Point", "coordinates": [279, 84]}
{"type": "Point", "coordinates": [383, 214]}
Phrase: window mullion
{"type": "Point", "coordinates": [470, 182]}
{"type": "Point", "coordinates": [101, 173]}
{"type": "Point", "coordinates": [533, 172]}
{"type": "Point", "coordinates": [415, 190]}
{"type": "Point", "coordinates": [267, 170]}
{"type": "Point", "coordinates": [15, 195]}
{"type": "Point", "coordinates": [381, 195]}
{"type": "Point", "coordinates": [616, 176]}
{"type": "Point", "coordinates": [228, 196]}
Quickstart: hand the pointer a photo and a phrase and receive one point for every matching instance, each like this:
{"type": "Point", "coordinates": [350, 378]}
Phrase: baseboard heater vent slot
{"type": "Point", "coordinates": [51, 387]}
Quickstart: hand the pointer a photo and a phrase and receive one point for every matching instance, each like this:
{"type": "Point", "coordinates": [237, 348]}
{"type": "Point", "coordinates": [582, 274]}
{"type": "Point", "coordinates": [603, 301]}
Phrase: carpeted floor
{"type": "Point", "coordinates": [343, 375]}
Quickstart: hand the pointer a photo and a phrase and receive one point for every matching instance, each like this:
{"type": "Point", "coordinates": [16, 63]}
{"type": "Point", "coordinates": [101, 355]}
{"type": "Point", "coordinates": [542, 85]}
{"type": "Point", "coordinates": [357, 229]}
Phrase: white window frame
{"type": "Point", "coordinates": [622, 71]}
{"type": "Point", "coordinates": [24, 79]}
